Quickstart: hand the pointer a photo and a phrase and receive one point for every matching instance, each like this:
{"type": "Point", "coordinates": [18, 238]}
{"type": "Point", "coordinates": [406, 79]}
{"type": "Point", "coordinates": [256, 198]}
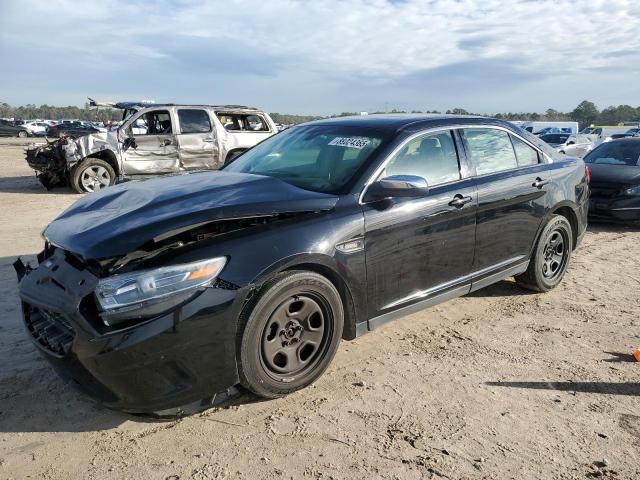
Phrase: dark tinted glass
{"type": "Point", "coordinates": [194, 121]}
{"type": "Point", "coordinates": [616, 153]}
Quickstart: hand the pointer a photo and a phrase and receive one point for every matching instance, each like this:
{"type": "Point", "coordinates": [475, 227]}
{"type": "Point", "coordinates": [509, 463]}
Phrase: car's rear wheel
{"type": "Point", "coordinates": [91, 175]}
{"type": "Point", "coordinates": [289, 333]}
{"type": "Point", "coordinates": [550, 257]}
{"type": "Point", "coordinates": [22, 134]}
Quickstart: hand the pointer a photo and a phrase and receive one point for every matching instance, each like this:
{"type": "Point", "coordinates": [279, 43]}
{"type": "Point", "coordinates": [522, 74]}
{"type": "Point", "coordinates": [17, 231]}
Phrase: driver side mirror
{"type": "Point", "coordinates": [397, 186]}
{"type": "Point", "coordinates": [129, 142]}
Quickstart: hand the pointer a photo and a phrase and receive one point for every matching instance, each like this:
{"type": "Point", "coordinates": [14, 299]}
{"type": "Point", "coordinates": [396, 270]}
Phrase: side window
{"type": "Point", "coordinates": [257, 123]}
{"type": "Point", "coordinates": [194, 121]}
{"type": "Point", "coordinates": [242, 122]}
{"type": "Point", "coordinates": [432, 156]}
{"type": "Point", "coordinates": [526, 154]}
{"type": "Point", "coordinates": [490, 150]}
{"type": "Point", "coordinates": [157, 122]}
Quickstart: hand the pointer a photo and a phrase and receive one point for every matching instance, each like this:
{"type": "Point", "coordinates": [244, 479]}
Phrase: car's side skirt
{"type": "Point", "coordinates": [443, 296]}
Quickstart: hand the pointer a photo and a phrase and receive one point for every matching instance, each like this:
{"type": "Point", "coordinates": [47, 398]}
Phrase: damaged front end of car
{"type": "Point", "coordinates": [140, 310]}
{"type": "Point", "coordinates": [54, 161]}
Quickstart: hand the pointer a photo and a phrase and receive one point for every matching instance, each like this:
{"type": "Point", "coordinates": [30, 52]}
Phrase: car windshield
{"type": "Point", "coordinates": [616, 153]}
{"type": "Point", "coordinates": [321, 158]}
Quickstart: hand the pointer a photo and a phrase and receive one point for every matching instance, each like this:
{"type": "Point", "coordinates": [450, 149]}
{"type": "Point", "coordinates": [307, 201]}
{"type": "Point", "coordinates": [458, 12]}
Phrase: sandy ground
{"type": "Point", "coordinates": [500, 384]}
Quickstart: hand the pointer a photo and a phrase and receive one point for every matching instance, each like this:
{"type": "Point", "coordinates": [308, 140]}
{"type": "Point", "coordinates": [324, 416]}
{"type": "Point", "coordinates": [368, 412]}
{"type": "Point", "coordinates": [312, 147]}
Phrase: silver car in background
{"type": "Point", "coordinates": [576, 145]}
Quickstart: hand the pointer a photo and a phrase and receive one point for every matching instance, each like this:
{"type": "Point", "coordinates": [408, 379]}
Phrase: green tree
{"type": "Point", "coordinates": [585, 113]}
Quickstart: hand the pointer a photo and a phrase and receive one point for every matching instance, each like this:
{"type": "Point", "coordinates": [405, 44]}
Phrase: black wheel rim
{"type": "Point", "coordinates": [295, 337]}
{"type": "Point", "coordinates": [555, 255]}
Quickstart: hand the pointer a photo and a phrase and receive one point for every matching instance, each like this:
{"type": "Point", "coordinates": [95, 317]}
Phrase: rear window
{"type": "Point", "coordinates": [194, 121]}
{"type": "Point", "coordinates": [615, 153]}
{"type": "Point", "coordinates": [490, 150]}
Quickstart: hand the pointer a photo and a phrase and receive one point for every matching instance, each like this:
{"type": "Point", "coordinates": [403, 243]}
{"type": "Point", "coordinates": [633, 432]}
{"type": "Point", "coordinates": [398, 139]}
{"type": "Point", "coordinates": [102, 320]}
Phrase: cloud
{"type": "Point", "coordinates": [330, 54]}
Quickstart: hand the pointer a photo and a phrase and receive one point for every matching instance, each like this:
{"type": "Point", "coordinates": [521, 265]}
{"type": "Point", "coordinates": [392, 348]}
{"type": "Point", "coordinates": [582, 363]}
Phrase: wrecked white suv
{"type": "Point", "coordinates": [152, 140]}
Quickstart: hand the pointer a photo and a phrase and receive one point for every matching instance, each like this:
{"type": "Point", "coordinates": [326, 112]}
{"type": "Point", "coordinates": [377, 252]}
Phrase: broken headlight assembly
{"type": "Point", "coordinates": [147, 293]}
{"type": "Point", "coordinates": [633, 190]}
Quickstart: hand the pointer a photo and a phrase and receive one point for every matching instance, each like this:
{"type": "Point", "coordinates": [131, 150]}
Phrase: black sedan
{"type": "Point", "coordinates": [615, 184]}
{"type": "Point", "coordinates": [157, 293]}
{"type": "Point", "coordinates": [72, 130]}
{"type": "Point", "coordinates": [555, 139]}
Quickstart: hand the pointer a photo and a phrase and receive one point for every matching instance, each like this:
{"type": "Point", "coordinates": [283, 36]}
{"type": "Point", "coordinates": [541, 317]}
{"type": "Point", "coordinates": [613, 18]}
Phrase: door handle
{"type": "Point", "coordinates": [209, 140]}
{"type": "Point", "coordinates": [459, 201]}
{"type": "Point", "coordinates": [539, 183]}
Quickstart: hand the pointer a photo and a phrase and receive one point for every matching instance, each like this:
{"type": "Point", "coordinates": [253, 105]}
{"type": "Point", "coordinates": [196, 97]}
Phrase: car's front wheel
{"type": "Point", "coordinates": [23, 134]}
{"type": "Point", "coordinates": [550, 257]}
{"type": "Point", "coordinates": [289, 333]}
{"type": "Point", "coordinates": [91, 175]}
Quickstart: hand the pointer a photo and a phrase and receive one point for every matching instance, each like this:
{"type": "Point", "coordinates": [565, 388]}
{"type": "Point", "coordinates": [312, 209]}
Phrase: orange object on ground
{"type": "Point", "coordinates": [636, 355]}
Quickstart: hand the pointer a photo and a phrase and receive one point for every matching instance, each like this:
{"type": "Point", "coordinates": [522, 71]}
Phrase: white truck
{"type": "Point", "coordinates": [153, 139]}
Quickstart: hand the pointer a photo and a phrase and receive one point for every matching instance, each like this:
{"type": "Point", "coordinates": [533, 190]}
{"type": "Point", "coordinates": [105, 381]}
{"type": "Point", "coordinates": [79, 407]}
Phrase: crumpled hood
{"type": "Point", "coordinates": [118, 220]}
{"type": "Point", "coordinates": [614, 175]}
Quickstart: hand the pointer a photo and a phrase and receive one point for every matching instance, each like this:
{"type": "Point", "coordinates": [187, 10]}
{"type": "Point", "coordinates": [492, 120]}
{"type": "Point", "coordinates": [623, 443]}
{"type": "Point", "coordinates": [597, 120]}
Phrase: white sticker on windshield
{"type": "Point", "coordinates": [358, 143]}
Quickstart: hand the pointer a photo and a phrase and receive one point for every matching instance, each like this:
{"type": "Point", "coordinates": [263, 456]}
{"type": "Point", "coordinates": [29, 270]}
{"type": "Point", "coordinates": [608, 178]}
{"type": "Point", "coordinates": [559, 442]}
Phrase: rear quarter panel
{"type": "Point", "coordinates": [569, 189]}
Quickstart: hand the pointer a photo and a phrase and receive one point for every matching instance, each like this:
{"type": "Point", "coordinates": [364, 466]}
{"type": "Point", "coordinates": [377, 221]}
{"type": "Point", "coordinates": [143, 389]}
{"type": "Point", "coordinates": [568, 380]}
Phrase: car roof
{"type": "Point", "coordinates": [400, 121]}
{"type": "Point", "coordinates": [625, 139]}
{"type": "Point", "coordinates": [229, 108]}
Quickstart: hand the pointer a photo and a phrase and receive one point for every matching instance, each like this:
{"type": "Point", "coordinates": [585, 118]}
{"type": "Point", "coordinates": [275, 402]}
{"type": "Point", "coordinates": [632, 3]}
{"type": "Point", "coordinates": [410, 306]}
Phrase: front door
{"type": "Point", "coordinates": [197, 142]}
{"type": "Point", "coordinates": [153, 147]}
{"type": "Point", "coordinates": [417, 248]}
{"type": "Point", "coordinates": [512, 182]}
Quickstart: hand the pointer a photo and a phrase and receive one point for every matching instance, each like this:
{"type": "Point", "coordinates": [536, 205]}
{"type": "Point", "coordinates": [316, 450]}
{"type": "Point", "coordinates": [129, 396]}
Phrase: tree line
{"type": "Point", "coordinates": [586, 113]}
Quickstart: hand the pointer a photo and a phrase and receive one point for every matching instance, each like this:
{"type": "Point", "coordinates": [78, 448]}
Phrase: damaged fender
{"type": "Point", "coordinates": [54, 161]}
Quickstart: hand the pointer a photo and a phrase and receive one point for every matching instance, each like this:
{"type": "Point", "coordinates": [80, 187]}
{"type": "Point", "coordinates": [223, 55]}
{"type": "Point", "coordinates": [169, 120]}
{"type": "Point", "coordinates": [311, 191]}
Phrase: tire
{"type": "Point", "coordinates": [92, 174]}
{"type": "Point", "coordinates": [23, 134]}
{"type": "Point", "coordinates": [550, 257]}
{"type": "Point", "coordinates": [289, 333]}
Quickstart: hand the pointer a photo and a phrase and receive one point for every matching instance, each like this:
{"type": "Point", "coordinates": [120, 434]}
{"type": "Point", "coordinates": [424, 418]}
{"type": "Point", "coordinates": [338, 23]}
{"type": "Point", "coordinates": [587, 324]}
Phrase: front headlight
{"type": "Point", "coordinates": [141, 288]}
{"type": "Point", "coordinates": [633, 190]}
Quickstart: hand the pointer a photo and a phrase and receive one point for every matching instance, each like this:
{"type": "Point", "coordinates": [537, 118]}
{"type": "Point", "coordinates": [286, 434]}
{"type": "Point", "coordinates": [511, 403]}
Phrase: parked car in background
{"type": "Point", "coordinates": [540, 126]}
{"type": "Point", "coordinates": [8, 129]}
{"type": "Point", "coordinates": [69, 129]}
{"type": "Point", "coordinates": [549, 130]}
{"type": "Point", "coordinates": [576, 146]}
{"type": "Point", "coordinates": [601, 134]}
{"type": "Point", "coordinates": [36, 128]}
{"type": "Point", "coordinates": [153, 140]}
{"type": "Point", "coordinates": [555, 139]}
{"type": "Point", "coordinates": [632, 132]}
{"type": "Point", "coordinates": [615, 180]}
{"type": "Point", "coordinates": [151, 295]}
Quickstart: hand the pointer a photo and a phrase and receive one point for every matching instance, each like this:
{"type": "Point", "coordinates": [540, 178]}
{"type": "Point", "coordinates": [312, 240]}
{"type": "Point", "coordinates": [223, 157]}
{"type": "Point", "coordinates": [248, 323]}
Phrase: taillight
{"type": "Point", "coordinates": [587, 173]}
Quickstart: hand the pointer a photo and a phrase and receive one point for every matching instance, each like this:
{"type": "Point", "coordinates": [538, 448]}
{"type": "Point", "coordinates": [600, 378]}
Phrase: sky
{"type": "Point", "coordinates": [323, 57]}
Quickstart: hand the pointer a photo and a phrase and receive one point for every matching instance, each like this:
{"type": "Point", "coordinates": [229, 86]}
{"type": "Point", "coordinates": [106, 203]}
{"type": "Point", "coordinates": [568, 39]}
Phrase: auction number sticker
{"type": "Point", "coordinates": [358, 143]}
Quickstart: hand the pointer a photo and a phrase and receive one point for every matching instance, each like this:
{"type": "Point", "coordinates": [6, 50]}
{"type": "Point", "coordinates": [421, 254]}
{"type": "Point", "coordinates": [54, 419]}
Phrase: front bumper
{"type": "Point", "coordinates": [617, 209]}
{"type": "Point", "coordinates": [186, 355]}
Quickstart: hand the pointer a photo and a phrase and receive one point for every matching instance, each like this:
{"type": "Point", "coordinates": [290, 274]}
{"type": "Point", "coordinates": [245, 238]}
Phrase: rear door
{"type": "Point", "coordinates": [154, 148]}
{"type": "Point", "coordinates": [418, 248]}
{"type": "Point", "coordinates": [197, 142]}
{"type": "Point", "coordinates": [512, 183]}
